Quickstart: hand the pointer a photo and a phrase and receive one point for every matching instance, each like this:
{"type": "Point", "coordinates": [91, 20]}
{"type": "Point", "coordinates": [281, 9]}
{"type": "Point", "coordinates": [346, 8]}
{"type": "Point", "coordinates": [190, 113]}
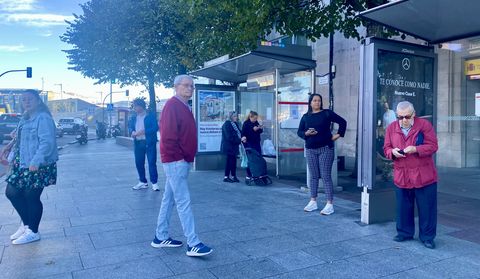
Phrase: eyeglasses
{"type": "Point", "coordinates": [187, 85]}
{"type": "Point", "coordinates": [401, 117]}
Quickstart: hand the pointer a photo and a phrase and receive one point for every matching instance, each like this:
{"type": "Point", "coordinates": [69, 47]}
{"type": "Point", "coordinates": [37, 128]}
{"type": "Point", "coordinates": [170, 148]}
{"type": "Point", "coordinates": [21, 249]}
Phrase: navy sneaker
{"type": "Point", "coordinates": [156, 243]}
{"type": "Point", "coordinates": [198, 250]}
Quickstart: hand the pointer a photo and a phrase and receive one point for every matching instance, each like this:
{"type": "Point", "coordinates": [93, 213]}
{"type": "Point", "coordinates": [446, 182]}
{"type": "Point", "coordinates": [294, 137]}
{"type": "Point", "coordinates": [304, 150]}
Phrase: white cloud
{"type": "Point", "coordinates": [37, 20]}
{"type": "Point", "coordinates": [46, 34]}
{"type": "Point", "coordinates": [17, 5]}
{"type": "Point", "coordinates": [16, 48]}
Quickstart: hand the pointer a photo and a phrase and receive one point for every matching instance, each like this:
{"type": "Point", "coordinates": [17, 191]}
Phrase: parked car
{"type": "Point", "coordinates": [60, 131]}
{"type": "Point", "coordinates": [8, 123]}
{"type": "Point", "coordinates": [72, 125]}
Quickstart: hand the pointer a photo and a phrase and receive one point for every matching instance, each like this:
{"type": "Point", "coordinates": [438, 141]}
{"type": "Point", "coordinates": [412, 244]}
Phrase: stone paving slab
{"type": "Point", "coordinates": [463, 268]}
{"type": "Point", "coordinates": [295, 260]}
{"type": "Point", "coordinates": [203, 274]}
{"type": "Point", "coordinates": [119, 254]}
{"type": "Point", "coordinates": [337, 269]}
{"type": "Point", "coordinates": [139, 268]}
{"type": "Point", "coordinates": [255, 268]}
{"type": "Point", "coordinates": [40, 267]}
{"type": "Point", "coordinates": [96, 226]}
{"type": "Point", "coordinates": [58, 276]}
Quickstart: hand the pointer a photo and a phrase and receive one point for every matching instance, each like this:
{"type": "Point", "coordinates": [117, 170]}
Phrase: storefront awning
{"type": "Point", "coordinates": [435, 21]}
{"type": "Point", "coordinates": [286, 58]}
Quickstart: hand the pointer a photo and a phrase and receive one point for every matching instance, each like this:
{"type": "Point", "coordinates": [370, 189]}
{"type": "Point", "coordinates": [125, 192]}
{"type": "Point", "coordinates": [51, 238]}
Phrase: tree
{"type": "Point", "coordinates": [244, 22]}
{"type": "Point", "coordinates": [127, 41]}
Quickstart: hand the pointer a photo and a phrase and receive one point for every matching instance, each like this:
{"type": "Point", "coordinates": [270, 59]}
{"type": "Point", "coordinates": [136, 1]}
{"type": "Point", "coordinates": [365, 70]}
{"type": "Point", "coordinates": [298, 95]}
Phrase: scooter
{"type": "Point", "coordinates": [115, 131]}
{"type": "Point", "coordinates": [82, 138]}
{"type": "Point", "coordinates": [101, 130]}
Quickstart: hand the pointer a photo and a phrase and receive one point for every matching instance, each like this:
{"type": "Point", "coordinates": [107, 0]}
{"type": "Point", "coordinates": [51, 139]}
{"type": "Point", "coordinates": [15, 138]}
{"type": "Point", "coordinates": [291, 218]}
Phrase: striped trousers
{"type": "Point", "coordinates": [320, 161]}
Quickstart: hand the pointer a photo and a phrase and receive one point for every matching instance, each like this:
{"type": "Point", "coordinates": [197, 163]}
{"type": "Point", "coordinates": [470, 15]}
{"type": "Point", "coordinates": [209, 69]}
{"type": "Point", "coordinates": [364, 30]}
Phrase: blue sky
{"type": "Point", "coordinates": [29, 36]}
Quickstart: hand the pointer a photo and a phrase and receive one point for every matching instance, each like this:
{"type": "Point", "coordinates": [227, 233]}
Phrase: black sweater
{"type": "Point", "coordinates": [253, 137]}
{"type": "Point", "coordinates": [230, 139]}
{"type": "Point", "coordinates": [321, 122]}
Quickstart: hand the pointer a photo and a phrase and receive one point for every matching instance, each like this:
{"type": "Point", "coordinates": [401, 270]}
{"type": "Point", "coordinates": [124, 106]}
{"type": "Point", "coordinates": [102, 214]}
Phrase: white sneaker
{"type": "Point", "coordinates": [328, 209]}
{"type": "Point", "coordinates": [140, 185]}
{"type": "Point", "coordinates": [19, 232]}
{"type": "Point", "coordinates": [155, 187]}
{"type": "Point", "coordinates": [27, 237]}
{"type": "Point", "coordinates": [311, 206]}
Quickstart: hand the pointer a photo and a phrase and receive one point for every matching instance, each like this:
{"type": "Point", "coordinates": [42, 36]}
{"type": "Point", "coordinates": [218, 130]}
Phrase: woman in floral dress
{"type": "Point", "coordinates": [33, 165]}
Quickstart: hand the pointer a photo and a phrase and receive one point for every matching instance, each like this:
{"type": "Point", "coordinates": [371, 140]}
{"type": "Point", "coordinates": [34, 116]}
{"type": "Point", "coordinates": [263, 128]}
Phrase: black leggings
{"type": "Point", "coordinates": [28, 205]}
{"type": "Point", "coordinates": [231, 165]}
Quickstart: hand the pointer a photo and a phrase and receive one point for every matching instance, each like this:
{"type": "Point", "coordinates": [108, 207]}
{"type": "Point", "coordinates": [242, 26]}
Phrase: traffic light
{"type": "Point", "coordinates": [29, 72]}
{"type": "Point", "coordinates": [127, 93]}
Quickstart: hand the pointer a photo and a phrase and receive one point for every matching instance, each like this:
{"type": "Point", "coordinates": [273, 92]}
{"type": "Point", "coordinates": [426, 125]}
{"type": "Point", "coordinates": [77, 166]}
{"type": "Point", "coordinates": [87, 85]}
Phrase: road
{"type": "Point", "coordinates": [62, 142]}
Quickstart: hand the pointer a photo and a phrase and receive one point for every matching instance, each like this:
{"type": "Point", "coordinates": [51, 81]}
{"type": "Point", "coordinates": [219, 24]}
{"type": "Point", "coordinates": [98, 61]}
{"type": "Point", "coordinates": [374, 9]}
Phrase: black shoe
{"type": "Point", "coordinates": [430, 244]}
{"type": "Point", "coordinates": [227, 179]}
{"type": "Point", "coordinates": [399, 238]}
{"type": "Point", "coordinates": [235, 179]}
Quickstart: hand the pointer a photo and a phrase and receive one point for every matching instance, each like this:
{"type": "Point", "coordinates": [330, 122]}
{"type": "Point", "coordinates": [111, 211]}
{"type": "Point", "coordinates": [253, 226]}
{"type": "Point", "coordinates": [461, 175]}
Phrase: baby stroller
{"type": "Point", "coordinates": [258, 167]}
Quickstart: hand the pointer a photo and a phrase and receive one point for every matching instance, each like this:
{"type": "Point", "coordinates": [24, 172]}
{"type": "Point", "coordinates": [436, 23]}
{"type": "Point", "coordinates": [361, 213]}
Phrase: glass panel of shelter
{"type": "Point", "coordinates": [395, 83]}
{"type": "Point", "coordinates": [260, 100]}
{"type": "Point", "coordinates": [458, 127]}
{"type": "Point", "coordinates": [292, 104]}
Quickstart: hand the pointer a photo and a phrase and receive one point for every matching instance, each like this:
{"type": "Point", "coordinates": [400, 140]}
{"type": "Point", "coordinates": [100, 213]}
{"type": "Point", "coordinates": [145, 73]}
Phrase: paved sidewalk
{"type": "Point", "coordinates": [96, 226]}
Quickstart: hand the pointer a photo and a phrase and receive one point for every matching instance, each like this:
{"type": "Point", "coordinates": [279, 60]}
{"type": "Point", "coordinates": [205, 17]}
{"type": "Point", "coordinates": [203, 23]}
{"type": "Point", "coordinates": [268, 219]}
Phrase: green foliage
{"type": "Point", "coordinates": [126, 41]}
{"type": "Point", "coordinates": [221, 27]}
{"type": "Point", "coordinates": [151, 41]}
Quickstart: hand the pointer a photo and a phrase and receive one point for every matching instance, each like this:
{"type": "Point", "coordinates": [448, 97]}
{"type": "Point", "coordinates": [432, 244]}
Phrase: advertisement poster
{"type": "Point", "coordinates": [213, 109]}
{"type": "Point", "coordinates": [291, 115]}
{"type": "Point", "coordinates": [401, 77]}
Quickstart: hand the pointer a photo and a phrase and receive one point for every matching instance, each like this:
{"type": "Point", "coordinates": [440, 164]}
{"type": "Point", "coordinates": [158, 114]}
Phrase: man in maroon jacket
{"type": "Point", "coordinates": [178, 146]}
{"type": "Point", "coordinates": [411, 142]}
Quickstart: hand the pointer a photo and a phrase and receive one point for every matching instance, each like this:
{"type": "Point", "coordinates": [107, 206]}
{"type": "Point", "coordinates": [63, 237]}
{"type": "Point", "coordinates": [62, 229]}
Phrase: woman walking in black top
{"type": "Point", "coordinates": [314, 128]}
{"type": "Point", "coordinates": [251, 131]}
{"type": "Point", "coordinates": [230, 142]}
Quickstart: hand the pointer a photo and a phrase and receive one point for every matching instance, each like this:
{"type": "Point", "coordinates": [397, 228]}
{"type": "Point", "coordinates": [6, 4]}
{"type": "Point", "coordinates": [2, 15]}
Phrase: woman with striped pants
{"type": "Point", "coordinates": [314, 128]}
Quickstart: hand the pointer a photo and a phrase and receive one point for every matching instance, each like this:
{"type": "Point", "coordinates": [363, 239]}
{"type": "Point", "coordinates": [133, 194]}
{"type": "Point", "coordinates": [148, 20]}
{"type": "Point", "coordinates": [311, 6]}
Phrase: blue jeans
{"type": "Point", "coordinates": [176, 192]}
{"type": "Point", "coordinates": [142, 148]}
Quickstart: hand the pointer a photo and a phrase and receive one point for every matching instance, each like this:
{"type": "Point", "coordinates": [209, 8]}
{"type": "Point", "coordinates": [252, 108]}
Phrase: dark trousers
{"type": "Point", "coordinates": [231, 165]}
{"type": "Point", "coordinates": [426, 199]}
{"type": "Point", "coordinates": [28, 205]}
{"type": "Point", "coordinates": [142, 148]}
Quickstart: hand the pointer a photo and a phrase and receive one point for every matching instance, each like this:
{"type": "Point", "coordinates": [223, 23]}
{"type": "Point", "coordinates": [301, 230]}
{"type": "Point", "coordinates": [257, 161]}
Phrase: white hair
{"type": "Point", "coordinates": [179, 79]}
{"type": "Point", "coordinates": [404, 105]}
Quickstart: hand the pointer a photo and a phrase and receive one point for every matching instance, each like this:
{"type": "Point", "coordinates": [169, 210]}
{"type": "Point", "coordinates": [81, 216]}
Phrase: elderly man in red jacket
{"type": "Point", "coordinates": [178, 146]}
{"type": "Point", "coordinates": [411, 142]}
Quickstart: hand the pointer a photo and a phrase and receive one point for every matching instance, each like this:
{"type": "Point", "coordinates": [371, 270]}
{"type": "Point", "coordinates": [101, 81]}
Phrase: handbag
{"type": "Point", "coordinates": [243, 154]}
{"type": "Point", "coordinates": [8, 153]}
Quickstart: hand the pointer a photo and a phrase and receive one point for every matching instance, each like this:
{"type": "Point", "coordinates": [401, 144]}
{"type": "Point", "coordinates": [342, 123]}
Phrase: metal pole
{"type": "Point", "coordinates": [11, 71]}
{"type": "Point", "coordinates": [61, 89]}
{"type": "Point", "coordinates": [277, 141]}
{"type": "Point", "coordinates": [111, 101]}
{"type": "Point", "coordinates": [330, 76]}
{"type": "Point", "coordinates": [313, 85]}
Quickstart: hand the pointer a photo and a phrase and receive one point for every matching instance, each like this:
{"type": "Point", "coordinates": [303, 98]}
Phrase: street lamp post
{"type": "Point", "coordinates": [28, 70]}
{"type": "Point", "coordinates": [104, 99]}
{"type": "Point", "coordinates": [61, 90]}
{"type": "Point", "coordinates": [101, 95]}
{"type": "Point", "coordinates": [111, 102]}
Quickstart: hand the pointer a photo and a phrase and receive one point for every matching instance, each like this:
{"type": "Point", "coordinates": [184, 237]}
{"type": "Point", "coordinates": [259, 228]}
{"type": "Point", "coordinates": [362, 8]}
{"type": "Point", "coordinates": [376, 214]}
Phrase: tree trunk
{"type": "Point", "coordinates": [151, 94]}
